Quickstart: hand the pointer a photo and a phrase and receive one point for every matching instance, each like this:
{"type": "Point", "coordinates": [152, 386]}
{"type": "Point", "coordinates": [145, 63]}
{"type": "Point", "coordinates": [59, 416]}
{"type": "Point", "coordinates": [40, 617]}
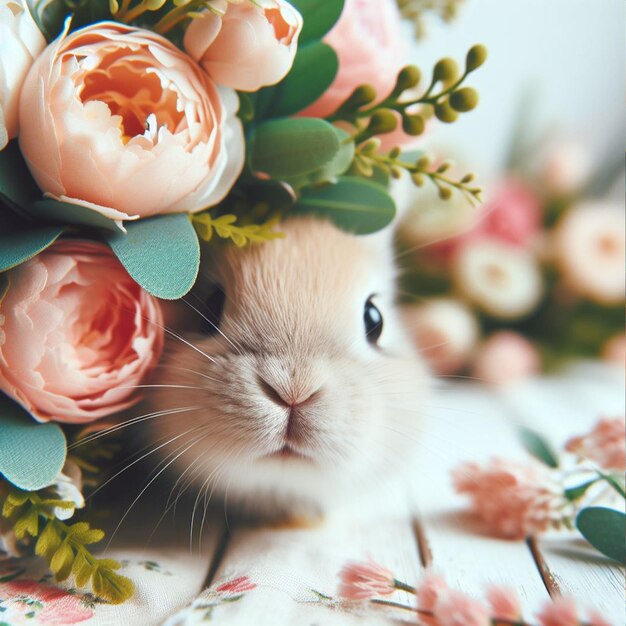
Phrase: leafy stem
{"type": "Point", "coordinates": [225, 227]}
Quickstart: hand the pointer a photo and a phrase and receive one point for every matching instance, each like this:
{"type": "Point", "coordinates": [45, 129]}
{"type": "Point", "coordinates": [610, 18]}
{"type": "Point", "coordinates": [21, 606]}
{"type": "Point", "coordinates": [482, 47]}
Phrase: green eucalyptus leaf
{"type": "Point", "coordinates": [536, 445]}
{"type": "Point", "coordinates": [20, 241]}
{"type": "Point", "coordinates": [574, 493]}
{"type": "Point", "coordinates": [31, 454]}
{"type": "Point", "coordinates": [313, 71]}
{"type": "Point", "coordinates": [17, 186]}
{"type": "Point", "coordinates": [291, 147]}
{"type": "Point", "coordinates": [67, 213]}
{"type": "Point", "coordinates": [160, 253]}
{"type": "Point", "coordinates": [319, 17]}
{"type": "Point", "coordinates": [604, 529]}
{"type": "Point", "coordinates": [354, 204]}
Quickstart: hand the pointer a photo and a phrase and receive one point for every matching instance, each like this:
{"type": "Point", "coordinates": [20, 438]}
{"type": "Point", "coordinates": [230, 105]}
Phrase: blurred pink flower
{"type": "Point", "coordinates": [22, 601]}
{"type": "Point", "coordinates": [444, 330]}
{"type": "Point", "coordinates": [614, 350]}
{"type": "Point", "coordinates": [362, 581]}
{"type": "Point", "coordinates": [369, 42]}
{"type": "Point", "coordinates": [456, 609]}
{"type": "Point", "coordinates": [595, 619]}
{"type": "Point", "coordinates": [506, 357]}
{"type": "Point", "coordinates": [236, 586]}
{"type": "Point", "coordinates": [559, 612]}
{"type": "Point", "coordinates": [590, 251]}
{"type": "Point", "coordinates": [604, 445]}
{"type": "Point", "coordinates": [566, 167]}
{"type": "Point", "coordinates": [430, 590]}
{"type": "Point", "coordinates": [514, 500]}
{"type": "Point", "coordinates": [504, 603]}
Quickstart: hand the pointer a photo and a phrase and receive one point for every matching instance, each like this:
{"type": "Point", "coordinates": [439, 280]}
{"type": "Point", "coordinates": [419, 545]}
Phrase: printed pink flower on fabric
{"type": "Point", "coordinates": [560, 612]}
{"type": "Point", "coordinates": [248, 47]}
{"type": "Point", "coordinates": [362, 581]}
{"type": "Point", "coordinates": [30, 602]}
{"type": "Point", "coordinates": [120, 121]}
{"type": "Point", "coordinates": [456, 609]}
{"type": "Point", "coordinates": [504, 603]}
{"type": "Point", "coordinates": [514, 500]}
{"type": "Point", "coordinates": [236, 586]}
{"type": "Point", "coordinates": [77, 334]}
{"type": "Point", "coordinates": [604, 445]}
{"type": "Point", "coordinates": [369, 42]}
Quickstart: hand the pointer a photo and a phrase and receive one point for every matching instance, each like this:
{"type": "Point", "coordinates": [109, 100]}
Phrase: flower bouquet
{"type": "Point", "coordinates": [134, 133]}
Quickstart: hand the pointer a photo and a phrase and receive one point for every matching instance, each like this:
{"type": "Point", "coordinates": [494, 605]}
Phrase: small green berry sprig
{"type": "Point", "coordinates": [415, 10]}
{"type": "Point", "coordinates": [371, 118]}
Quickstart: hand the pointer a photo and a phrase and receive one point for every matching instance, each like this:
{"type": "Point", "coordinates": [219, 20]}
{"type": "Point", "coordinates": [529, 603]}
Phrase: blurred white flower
{"type": "Point", "coordinates": [21, 42]}
{"type": "Point", "coordinates": [503, 280]}
{"type": "Point", "coordinates": [566, 167]}
{"type": "Point", "coordinates": [444, 330]}
{"type": "Point", "coordinates": [506, 357]}
{"type": "Point", "coordinates": [68, 486]}
{"type": "Point", "coordinates": [589, 249]}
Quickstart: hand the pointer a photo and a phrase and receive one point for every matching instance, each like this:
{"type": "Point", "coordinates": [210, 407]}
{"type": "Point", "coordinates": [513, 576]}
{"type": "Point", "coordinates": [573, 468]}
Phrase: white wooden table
{"type": "Point", "coordinates": [464, 422]}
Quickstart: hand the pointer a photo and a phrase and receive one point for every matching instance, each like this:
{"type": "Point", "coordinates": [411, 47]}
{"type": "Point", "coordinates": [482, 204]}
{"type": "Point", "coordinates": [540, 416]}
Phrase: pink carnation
{"type": "Point", "coordinates": [560, 612]}
{"type": "Point", "coordinates": [429, 591]}
{"type": "Point", "coordinates": [457, 609]}
{"type": "Point", "coordinates": [514, 500]}
{"type": "Point", "coordinates": [504, 603]}
{"type": "Point", "coordinates": [362, 581]}
{"type": "Point", "coordinates": [77, 334]}
{"type": "Point", "coordinates": [604, 445]}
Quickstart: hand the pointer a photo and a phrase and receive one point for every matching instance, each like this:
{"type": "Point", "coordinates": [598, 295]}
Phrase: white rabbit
{"type": "Point", "coordinates": [306, 391]}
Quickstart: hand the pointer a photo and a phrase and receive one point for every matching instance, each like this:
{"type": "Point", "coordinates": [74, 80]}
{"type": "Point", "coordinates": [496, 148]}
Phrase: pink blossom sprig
{"type": "Point", "coordinates": [439, 605]}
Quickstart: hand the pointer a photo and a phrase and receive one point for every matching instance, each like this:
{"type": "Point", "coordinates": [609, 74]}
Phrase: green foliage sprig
{"type": "Point", "coordinates": [415, 10]}
{"type": "Point", "coordinates": [63, 545]}
{"type": "Point", "coordinates": [225, 226]}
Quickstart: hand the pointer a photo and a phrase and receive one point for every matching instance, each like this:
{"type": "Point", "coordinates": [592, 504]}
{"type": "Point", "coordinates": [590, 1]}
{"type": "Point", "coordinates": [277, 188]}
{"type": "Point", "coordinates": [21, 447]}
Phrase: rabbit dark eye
{"type": "Point", "coordinates": [373, 320]}
{"type": "Point", "coordinates": [213, 309]}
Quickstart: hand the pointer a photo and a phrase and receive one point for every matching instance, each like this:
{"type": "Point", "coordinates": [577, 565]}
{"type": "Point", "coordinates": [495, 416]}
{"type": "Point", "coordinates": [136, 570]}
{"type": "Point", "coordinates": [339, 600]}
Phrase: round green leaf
{"type": "Point", "coordinates": [292, 147]}
{"type": "Point", "coordinates": [66, 213]}
{"type": "Point", "coordinates": [312, 73]}
{"type": "Point", "coordinates": [604, 529]}
{"type": "Point", "coordinates": [319, 17]}
{"type": "Point", "coordinates": [31, 454]}
{"type": "Point", "coordinates": [161, 253]}
{"type": "Point", "coordinates": [354, 204]}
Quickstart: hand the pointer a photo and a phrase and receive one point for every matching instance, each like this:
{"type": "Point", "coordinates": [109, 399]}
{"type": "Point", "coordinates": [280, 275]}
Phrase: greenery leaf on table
{"type": "Point", "coordinates": [31, 454]}
{"type": "Point", "coordinates": [604, 529]}
{"type": "Point", "coordinates": [66, 213]}
{"type": "Point", "coordinates": [314, 69]}
{"type": "Point", "coordinates": [291, 147]}
{"type": "Point", "coordinates": [160, 253]}
{"type": "Point", "coordinates": [319, 17]}
{"type": "Point", "coordinates": [536, 445]}
{"type": "Point", "coordinates": [353, 204]}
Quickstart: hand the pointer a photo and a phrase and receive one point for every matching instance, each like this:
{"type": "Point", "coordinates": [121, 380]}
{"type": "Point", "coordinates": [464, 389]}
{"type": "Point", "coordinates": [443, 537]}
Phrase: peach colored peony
{"type": "Point", "coordinates": [362, 581]}
{"type": "Point", "coordinates": [614, 350]}
{"type": "Point", "coordinates": [514, 500]}
{"type": "Point", "coordinates": [119, 120]}
{"type": "Point", "coordinates": [20, 43]}
{"type": "Point", "coordinates": [590, 251]}
{"type": "Point", "coordinates": [559, 612]}
{"type": "Point", "coordinates": [444, 330]}
{"type": "Point", "coordinates": [77, 334]}
{"type": "Point", "coordinates": [504, 603]}
{"type": "Point", "coordinates": [370, 45]}
{"type": "Point", "coordinates": [456, 609]}
{"type": "Point", "coordinates": [249, 47]}
{"type": "Point", "coordinates": [506, 357]}
{"type": "Point", "coordinates": [604, 445]}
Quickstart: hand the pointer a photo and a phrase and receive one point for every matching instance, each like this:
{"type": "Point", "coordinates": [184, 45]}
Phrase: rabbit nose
{"type": "Point", "coordinates": [289, 399]}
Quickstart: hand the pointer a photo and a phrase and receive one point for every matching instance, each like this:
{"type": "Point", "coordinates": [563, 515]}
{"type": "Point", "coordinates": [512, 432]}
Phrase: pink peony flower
{"type": "Point", "coordinates": [249, 47]}
{"type": "Point", "coordinates": [559, 612]}
{"type": "Point", "coordinates": [614, 350]}
{"type": "Point", "coordinates": [604, 445]}
{"type": "Point", "coordinates": [236, 586]}
{"type": "Point", "coordinates": [514, 500]}
{"type": "Point", "coordinates": [369, 43]}
{"type": "Point", "coordinates": [504, 604]}
{"type": "Point", "coordinates": [21, 41]}
{"type": "Point", "coordinates": [77, 334]}
{"type": "Point", "coordinates": [590, 251]}
{"type": "Point", "coordinates": [506, 357]}
{"type": "Point", "coordinates": [20, 599]}
{"type": "Point", "coordinates": [362, 581]}
{"type": "Point", "coordinates": [119, 120]}
{"type": "Point", "coordinates": [444, 330]}
{"type": "Point", "coordinates": [456, 609]}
